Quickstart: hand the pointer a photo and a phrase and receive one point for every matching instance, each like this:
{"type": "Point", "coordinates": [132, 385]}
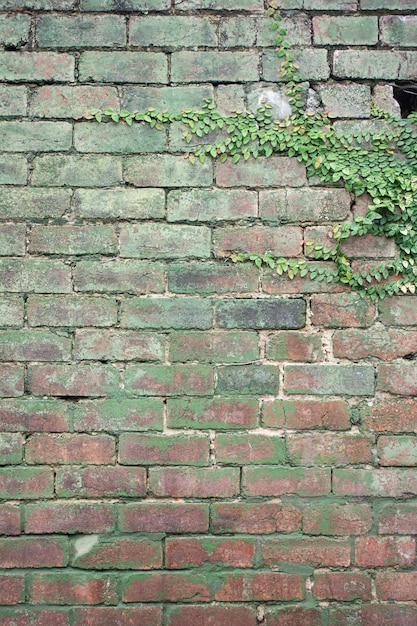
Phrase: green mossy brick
{"type": "Point", "coordinates": [408, 66]}
{"type": "Point", "coordinates": [313, 64]}
{"type": "Point", "coordinates": [11, 381]}
{"type": "Point", "coordinates": [222, 5]}
{"type": "Point", "coordinates": [12, 239]}
{"type": "Point", "coordinates": [230, 98]}
{"type": "Point", "coordinates": [248, 380]}
{"type": "Point", "coordinates": [350, 380]}
{"type": "Point", "coordinates": [32, 345]}
{"type": "Point", "coordinates": [337, 31]}
{"type": "Point", "coordinates": [71, 311]}
{"type": "Point", "coordinates": [207, 278]}
{"type": "Point", "coordinates": [13, 170]}
{"type": "Point", "coordinates": [118, 139]}
{"type": "Point", "coordinates": [395, 450]}
{"type": "Point", "coordinates": [79, 240]}
{"type": "Point", "coordinates": [151, 449]}
{"type": "Point", "coordinates": [36, 67]}
{"type": "Point", "coordinates": [304, 205]}
{"type": "Point", "coordinates": [164, 241]}
{"type": "Point", "coordinates": [298, 32]}
{"type": "Point", "coordinates": [123, 67]}
{"type": "Point", "coordinates": [346, 100]}
{"type": "Point", "coordinates": [398, 311]}
{"type": "Point", "coordinates": [128, 5]}
{"type": "Point", "coordinates": [77, 171]}
{"type": "Point", "coordinates": [238, 449]}
{"type": "Point", "coordinates": [165, 313]}
{"type": "Point", "coordinates": [277, 481]}
{"type": "Point", "coordinates": [169, 380]}
{"type": "Point", "coordinates": [13, 101]}
{"type": "Point", "coordinates": [11, 311]}
{"type": "Point", "coordinates": [371, 64]}
{"type": "Point", "coordinates": [383, 483]}
{"type": "Point", "coordinates": [121, 203]}
{"type": "Point", "coordinates": [74, 101]}
{"type": "Point", "coordinates": [98, 31]}
{"type": "Point", "coordinates": [238, 32]}
{"type": "Point", "coordinates": [219, 413]}
{"type": "Point", "coordinates": [28, 415]}
{"type": "Point", "coordinates": [261, 314]}
{"type": "Point", "coordinates": [262, 172]}
{"type": "Point", "coordinates": [294, 346]}
{"type": "Point", "coordinates": [11, 449]}
{"type": "Point", "coordinates": [73, 380]}
{"type": "Point", "coordinates": [220, 67]}
{"type": "Point", "coordinates": [36, 136]}
{"type": "Point", "coordinates": [173, 99]}
{"type": "Point", "coordinates": [329, 5]}
{"type": "Point", "coordinates": [393, 5]}
{"type": "Point", "coordinates": [399, 30]}
{"type": "Point", "coordinates": [211, 205]}
{"type": "Point", "coordinates": [172, 32]}
{"type": "Point", "coordinates": [35, 276]}
{"type": "Point", "coordinates": [119, 415]}
{"type": "Point", "coordinates": [178, 138]}
{"type": "Point", "coordinates": [114, 276]}
{"type": "Point", "coordinates": [39, 5]}
{"type": "Point", "coordinates": [26, 483]}
{"type": "Point", "coordinates": [118, 345]}
{"type": "Point", "coordinates": [33, 204]}
{"type": "Point", "coordinates": [166, 170]}
{"type": "Point", "coordinates": [214, 347]}
{"type": "Point", "coordinates": [14, 30]}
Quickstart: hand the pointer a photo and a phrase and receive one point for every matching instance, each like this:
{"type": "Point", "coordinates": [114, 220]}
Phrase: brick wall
{"type": "Point", "coordinates": [183, 440]}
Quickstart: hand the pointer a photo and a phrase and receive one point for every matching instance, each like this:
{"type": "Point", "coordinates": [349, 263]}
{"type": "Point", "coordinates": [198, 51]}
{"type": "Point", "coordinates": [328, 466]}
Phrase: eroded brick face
{"type": "Point", "coordinates": [184, 440]}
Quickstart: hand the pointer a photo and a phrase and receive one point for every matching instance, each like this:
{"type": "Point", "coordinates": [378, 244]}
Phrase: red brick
{"type": "Point", "coordinates": [254, 518]}
{"type": "Point", "coordinates": [11, 448]}
{"type": "Point", "coordinates": [374, 615]}
{"type": "Point", "coordinates": [118, 553]}
{"type": "Point", "coordinates": [396, 450]}
{"type": "Point", "coordinates": [212, 616]}
{"type": "Point", "coordinates": [237, 448]}
{"type": "Point", "coordinates": [398, 311]}
{"type": "Point", "coordinates": [26, 482]}
{"type": "Point", "coordinates": [218, 413]}
{"type": "Point", "coordinates": [293, 616]}
{"type": "Point", "coordinates": [342, 311]}
{"type": "Point", "coordinates": [184, 482]}
{"type": "Point", "coordinates": [73, 380]}
{"type": "Point", "coordinates": [136, 616]}
{"type": "Point", "coordinates": [342, 586]}
{"type": "Point", "coordinates": [99, 482]}
{"type": "Point", "coordinates": [384, 344]}
{"type": "Point", "coordinates": [277, 481]}
{"type": "Point", "coordinates": [261, 587]}
{"type": "Point", "coordinates": [34, 415]}
{"type": "Point", "coordinates": [38, 552]}
{"type": "Point", "coordinates": [294, 346]}
{"type": "Point", "coordinates": [96, 449]}
{"type": "Point", "coordinates": [306, 414]}
{"type": "Point", "coordinates": [327, 518]}
{"type": "Point", "coordinates": [11, 381]}
{"type": "Point", "coordinates": [166, 517]}
{"type": "Point", "coordinates": [71, 311]}
{"type": "Point", "coordinates": [375, 482]}
{"type": "Point", "coordinates": [286, 241]}
{"type": "Point", "coordinates": [214, 347]}
{"type": "Point", "coordinates": [385, 551]}
{"type": "Point", "coordinates": [399, 518]}
{"type": "Point", "coordinates": [148, 449]}
{"type": "Point", "coordinates": [12, 589]}
{"type": "Point", "coordinates": [329, 449]}
{"type": "Point", "coordinates": [9, 520]}
{"type": "Point", "coordinates": [398, 378]}
{"type": "Point", "coordinates": [119, 415]}
{"type": "Point", "coordinates": [166, 587]}
{"type": "Point", "coordinates": [186, 552]}
{"type": "Point", "coordinates": [396, 586]}
{"type": "Point", "coordinates": [391, 415]}
{"type": "Point", "coordinates": [304, 550]}
{"type": "Point", "coordinates": [32, 617]}
{"type": "Point", "coordinates": [70, 589]}
{"type": "Point", "coordinates": [69, 517]}
{"type": "Point", "coordinates": [118, 345]}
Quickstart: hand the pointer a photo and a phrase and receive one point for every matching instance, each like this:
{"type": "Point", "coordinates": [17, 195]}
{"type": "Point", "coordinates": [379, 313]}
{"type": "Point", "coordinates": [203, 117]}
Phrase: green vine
{"type": "Point", "coordinates": [381, 162]}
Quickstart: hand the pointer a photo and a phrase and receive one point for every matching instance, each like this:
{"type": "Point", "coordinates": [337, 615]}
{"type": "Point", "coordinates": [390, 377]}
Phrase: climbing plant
{"type": "Point", "coordinates": [380, 161]}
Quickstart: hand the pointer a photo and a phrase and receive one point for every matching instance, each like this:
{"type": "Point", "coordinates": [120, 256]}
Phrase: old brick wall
{"type": "Point", "coordinates": [186, 441]}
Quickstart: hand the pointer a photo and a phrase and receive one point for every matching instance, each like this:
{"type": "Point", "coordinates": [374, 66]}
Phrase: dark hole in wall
{"type": "Point", "coordinates": [405, 93]}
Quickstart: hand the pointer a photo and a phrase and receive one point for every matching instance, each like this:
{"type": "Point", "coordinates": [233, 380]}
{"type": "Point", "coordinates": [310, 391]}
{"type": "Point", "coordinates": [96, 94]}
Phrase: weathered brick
{"type": "Point", "coordinates": [11, 449]}
{"type": "Point", "coordinates": [214, 347]}
{"type": "Point", "coordinates": [104, 31]}
{"type": "Point", "coordinates": [230, 98]}
{"type": "Point", "coordinates": [187, 552]}
{"type": "Point", "coordinates": [147, 449]}
{"type": "Point", "coordinates": [13, 101]}
{"type": "Point", "coordinates": [76, 171]}
{"type": "Point", "coordinates": [166, 517]}
{"type": "Point", "coordinates": [261, 314]}
{"type": "Point", "coordinates": [342, 310]}
{"type": "Point", "coordinates": [293, 615]}
{"type": "Point", "coordinates": [73, 380]}
{"type": "Point", "coordinates": [26, 482]}
{"type": "Point", "coordinates": [57, 5]}
{"type": "Point", "coordinates": [173, 99]}
{"type": "Point", "coordinates": [36, 136]}
{"type": "Point", "coordinates": [74, 448]}
{"type": "Point", "coordinates": [108, 616]}
{"type": "Point", "coordinates": [399, 518]}
{"type": "Point", "coordinates": [398, 311]}
{"type": "Point", "coordinates": [117, 345]}
{"type": "Point", "coordinates": [329, 449]}
{"type": "Point", "coordinates": [129, 5]}
{"type": "Point", "coordinates": [306, 415]}
{"type": "Point", "coordinates": [384, 551]}
{"type": "Point", "coordinates": [304, 205]}
{"type": "Point", "coordinates": [218, 413]}
{"type": "Point", "coordinates": [314, 551]}
{"type": "Point", "coordinates": [73, 240]}
{"type": "Point", "coordinates": [12, 589]}
{"type": "Point", "coordinates": [337, 518]}
{"type": "Point", "coordinates": [368, 482]}
{"type": "Point", "coordinates": [260, 586]}
{"type": "Point", "coordinates": [165, 587]}
{"type": "Point", "coordinates": [347, 101]}
{"type": "Point", "coordinates": [312, 63]}
{"type": "Point", "coordinates": [329, 5]}
{"type": "Point", "coordinates": [123, 67]}
{"type": "Point", "coordinates": [33, 204]}
{"type": "Point", "coordinates": [222, 5]}
{"type": "Point", "coordinates": [70, 588]}
{"type": "Point", "coordinates": [112, 276]}
{"type": "Point", "coordinates": [298, 32]}
{"type": "Point", "coordinates": [71, 311]}
{"type": "Point", "coordinates": [63, 101]}
{"type": "Point", "coordinates": [14, 30]}
{"type": "Point", "coordinates": [374, 615]}
{"type": "Point", "coordinates": [166, 170]}
{"type": "Point", "coordinates": [118, 415]}
{"type": "Point", "coordinates": [398, 378]}
{"type": "Point", "coordinates": [9, 520]}
{"type": "Point", "coordinates": [117, 553]}
{"type": "Point", "coordinates": [38, 552]}
{"type": "Point", "coordinates": [36, 66]}
{"type": "Point", "coordinates": [69, 517]}
{"type": "Point", "coordinates": [351, 380]}
{"type": "Point", "coordinates": [34, 276]}
{"type": "Point", "coordinates": [277, 481]}
{"type": "Point", "coordinates": [11, 381]}
{"type": "Point", "coordinates": [211, 205]}
{"type": "Point", "coordinates": [101, 481]}
{"type": "Point", "coordinates": [164, 313]}
{"type": "Point", "coordinates": [396, 586]}
{"type": "Point", "coordinates": [342, 586]}
{"type": "Point", "coordinates": [294, 346]}
{"type": "Point", "coordinates": [224, 67]}
{"type": "Point", "coordinates": [117, 138]}
{"type": "Point", "coordinates": [12, 239]}
{"type": "Point", "coordinates": [248, 380]}
{"type": "Point", "coordinates": [172, 32]}
{"type": "Point", "coordinates": [238, 449]}
{"type": "Point", "coordinates": [169, 380]}
{"type": "Point", "coordinates": [390, 415]}
{"type": "Point", "coordinates": [398, 30]}
{"type": "Point", "coordinates": [273, 172]}
{"type": "Point", "coordinates": [190, 482]}
{"type": "Point", "coordinates": [13, 171]}
{"type": "Point", "coordinates": [27, 345]}
{"type": "Point", "coordinates": [370, 64]}
{"type": "Point", "coordinates": [119, 203]}
{"type": "Point", "coordinates": [355, 31]}
{"type": "Point", "coordinates": [15, 617]}
{"type": "Point", "coordinates": [256, 518]}
{"type": "Point", "coordinates": [387, 4]}
{"type": "Point", "coordinates": [164, 241]}
{"type": "Point", "coordinates": [221, 615]}
{"type": "Point", "coordinates": [280, 241]}
{"type": "Point", "coordinates": [382, 344]}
